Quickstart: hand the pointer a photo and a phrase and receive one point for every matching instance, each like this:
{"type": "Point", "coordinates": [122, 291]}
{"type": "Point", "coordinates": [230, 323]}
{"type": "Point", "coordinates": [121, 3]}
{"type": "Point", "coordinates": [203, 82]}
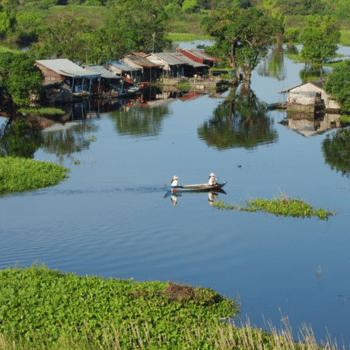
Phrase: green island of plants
{"type": "Point", "coordinates": [279, 206]}
{"type": "Point", "coordinates": [42, 308]}
{"type": "Point", "coordinates": [42, 111]}
{"type": "Point", "coordinates": [21, 174]}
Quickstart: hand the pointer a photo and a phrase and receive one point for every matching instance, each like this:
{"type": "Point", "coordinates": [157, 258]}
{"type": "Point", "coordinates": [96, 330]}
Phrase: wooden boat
{"type": "Point", "coordinates": [198, 188]}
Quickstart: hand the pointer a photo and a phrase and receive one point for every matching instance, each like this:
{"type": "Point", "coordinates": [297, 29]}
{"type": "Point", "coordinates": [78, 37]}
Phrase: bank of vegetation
{"type": "Point", "coordinates": [283, 205]}
{"type": "Point", "coordinates": [21, 174]}
{"type": "Point", "coordinates": [95, 31]}
{"type": "Point", "coordinates": [46, 309]}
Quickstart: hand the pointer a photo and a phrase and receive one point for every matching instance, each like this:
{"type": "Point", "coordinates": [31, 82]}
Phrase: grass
{"type": "Point", "coordinates": [283, 206]}
{"type": "Point", "coordinates": [6, 49]}
{"type": "Point", "coordinates": [42, 111]}
{"type": "Point", "coordinates": [46, 309]}
{"type": "Point", "coordinates": [345, 37]}
{"type": "Point", "coordinates": [20, 174]}
{"type": "Point", "coordinates": [187, 37]}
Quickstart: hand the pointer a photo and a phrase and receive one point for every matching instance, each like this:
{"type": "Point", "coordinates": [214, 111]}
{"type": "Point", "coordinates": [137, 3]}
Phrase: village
{"type": "Point", "coordinates": [65, 81]}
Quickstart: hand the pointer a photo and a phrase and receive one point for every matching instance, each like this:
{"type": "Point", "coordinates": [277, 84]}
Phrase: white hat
{"type": "Point", "coordinates": [212, 175]}
{"type": "Point", "coordinates": [175, 177]}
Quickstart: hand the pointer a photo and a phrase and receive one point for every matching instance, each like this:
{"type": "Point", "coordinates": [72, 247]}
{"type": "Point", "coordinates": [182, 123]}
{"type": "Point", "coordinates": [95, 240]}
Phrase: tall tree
{"type": "Point", "coordinates": [319, 39]}
{"type": "Point", "coordinates": [8, 9]}
{"type": "Point", "coordinates": [19, 78]}
{"type": "Point", "coordinates": [338, 84]}
{"type": "Point", "coordinates": [142, 22]}
{"type": "Point", "coordinates": [243, 36]}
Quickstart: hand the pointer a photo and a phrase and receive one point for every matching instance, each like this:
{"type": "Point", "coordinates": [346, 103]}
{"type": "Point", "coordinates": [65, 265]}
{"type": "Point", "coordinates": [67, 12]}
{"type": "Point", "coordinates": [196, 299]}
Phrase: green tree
{"type": "Point", "coordinates": [140, 23]}
{"type": "Point", "coordinates": [243, 36]}
{"type": "Point", "coordinates": [190, 6]}
{"type": "Point", "coordinates": [319, 39]}
{"type": "Point", "coordinates": [19, 78]}
{"type": "Point", "coordinates": [8, 10]}
{"type": "Point", "coordinates": [63, 37]}
{"type": "Point", "coordinates": [338, 84]}
{"type": "Point", "coordinates": [301, 7]}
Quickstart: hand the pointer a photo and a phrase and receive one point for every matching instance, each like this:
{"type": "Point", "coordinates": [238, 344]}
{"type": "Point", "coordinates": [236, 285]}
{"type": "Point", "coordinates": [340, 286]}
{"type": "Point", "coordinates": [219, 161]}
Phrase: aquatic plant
{"type": "Point", "coordinates": [46, 309]}
{"type": "Point", "coordinates": [42, 305]}
{"type": "Point", "coordinates": [284, 205]}
{"type": "Point", "coordinates": [20, 174]}
{"type": "Point", "coordinates": [42, 111]}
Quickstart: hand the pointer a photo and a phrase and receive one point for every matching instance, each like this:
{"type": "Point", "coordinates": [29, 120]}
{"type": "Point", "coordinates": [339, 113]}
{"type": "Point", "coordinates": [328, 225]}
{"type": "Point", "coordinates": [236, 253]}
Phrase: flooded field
{"type": "Point", "coordinates": [111, 217]}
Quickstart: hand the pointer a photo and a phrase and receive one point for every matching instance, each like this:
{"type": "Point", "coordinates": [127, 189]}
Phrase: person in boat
{"type": "Point", "coordinates": [212, 180]}
{"type": "Point", "coordinates": [174, 181]}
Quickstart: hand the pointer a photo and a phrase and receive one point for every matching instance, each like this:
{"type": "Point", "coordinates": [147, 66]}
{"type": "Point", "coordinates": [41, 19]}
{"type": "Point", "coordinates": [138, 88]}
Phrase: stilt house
{"type": "Point", "coordinates": [107, 82]}
{"type": "Point", "coordinates": [74, 79]}
{"type": "Point", "coordinates": [309, 96]}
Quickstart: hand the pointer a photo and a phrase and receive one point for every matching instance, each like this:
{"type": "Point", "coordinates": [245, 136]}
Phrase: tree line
{"type": "Point", "coordinates": [243, 30]}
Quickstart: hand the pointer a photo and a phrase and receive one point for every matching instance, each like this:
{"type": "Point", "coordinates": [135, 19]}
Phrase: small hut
{"type": "Point", "coordinates": [309, 98]}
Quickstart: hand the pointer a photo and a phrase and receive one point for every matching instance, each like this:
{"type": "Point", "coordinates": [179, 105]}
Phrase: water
{"type": "Point", "coordinates": [110, 218]}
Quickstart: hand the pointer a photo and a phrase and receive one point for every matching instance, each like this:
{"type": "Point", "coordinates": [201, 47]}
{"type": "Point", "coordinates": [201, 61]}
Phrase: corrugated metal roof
{"type": "Point", "coordinates": [123, 66]}
{"type": "Point", "coordinates": [140, 61]}
{"type": "Point", "coordinates": [171, 58]}
{"type": "Point", "coordinates": [102, 71]}
{"type": "Point", "coordinates": [177, 58]}
{"type": "Point", "coordinates": [202, 54]}
{"type": "Point", "coordinates": [66, 67]}
{"type": "Point", "coordinates": [190, 62]}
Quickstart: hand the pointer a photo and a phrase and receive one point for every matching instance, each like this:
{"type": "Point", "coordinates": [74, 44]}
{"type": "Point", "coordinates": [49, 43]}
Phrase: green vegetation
{"type": "Point", "coordinates": [243, 36]}
{"type": "Point", "coordinates": [184, 86]}
{"type": "Point", "coordinates": [42, 111]}
{"type": "Point", "coordinates": [345, 37]}
{"type": "Point", "coordinates": [187, 37]}
{"type": "Point", "coordinates": [283, 205]}
{"type": "Point", "coordinates": [20, 174]}
{"type": "Point", "coordinates": [338, 84]}
{"type": "Point", "coordinates": [40, 307]}
{"type": "Point", "coordinates": [46, 309]}
{"type": "Point", "coordinates": [19, 78]}
{"type": "Point", "coordinates": [319, 39]}
{"type": "Point", "coordinates": [345, 118]}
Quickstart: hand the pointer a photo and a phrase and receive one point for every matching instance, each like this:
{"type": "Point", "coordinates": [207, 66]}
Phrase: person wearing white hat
{"type": "Point", "coordinates": [212, 180]}
{"type": "Point", "coordinates": [174, 181]}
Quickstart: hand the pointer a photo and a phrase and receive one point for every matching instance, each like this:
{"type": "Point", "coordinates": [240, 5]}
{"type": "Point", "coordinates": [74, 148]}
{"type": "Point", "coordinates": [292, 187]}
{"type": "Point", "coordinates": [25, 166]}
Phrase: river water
{"type": "Point", "coordinates": [111, 218]}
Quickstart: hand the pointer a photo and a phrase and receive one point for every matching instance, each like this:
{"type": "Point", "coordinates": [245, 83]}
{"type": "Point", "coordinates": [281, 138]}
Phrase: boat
{"type": "Point", "coordinates": [199, 188]}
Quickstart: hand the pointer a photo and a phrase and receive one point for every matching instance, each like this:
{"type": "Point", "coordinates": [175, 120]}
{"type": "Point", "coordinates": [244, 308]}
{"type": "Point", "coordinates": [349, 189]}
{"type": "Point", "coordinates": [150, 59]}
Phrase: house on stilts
{"type": "Point", "coordinates": [64, 80]}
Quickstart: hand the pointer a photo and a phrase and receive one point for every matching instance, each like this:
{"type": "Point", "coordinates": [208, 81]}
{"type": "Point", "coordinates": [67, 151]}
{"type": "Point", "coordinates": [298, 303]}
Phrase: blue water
{"type": "Point", "coordinates": [110, 218]}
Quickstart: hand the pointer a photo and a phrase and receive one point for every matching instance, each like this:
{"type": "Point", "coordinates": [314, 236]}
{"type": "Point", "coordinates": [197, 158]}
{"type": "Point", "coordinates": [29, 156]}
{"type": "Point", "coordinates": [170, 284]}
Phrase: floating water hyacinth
{"type": "Point", "coordinates": [284, 205]}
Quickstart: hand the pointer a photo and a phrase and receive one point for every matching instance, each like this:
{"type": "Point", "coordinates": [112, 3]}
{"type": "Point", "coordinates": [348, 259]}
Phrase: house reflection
{"type": "Point", "coordinates": [312, 126]}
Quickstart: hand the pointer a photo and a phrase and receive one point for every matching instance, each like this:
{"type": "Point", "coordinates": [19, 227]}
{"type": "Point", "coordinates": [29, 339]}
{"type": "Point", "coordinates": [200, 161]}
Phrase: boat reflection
{"type": "Point", "coordinates": [211, 195]}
